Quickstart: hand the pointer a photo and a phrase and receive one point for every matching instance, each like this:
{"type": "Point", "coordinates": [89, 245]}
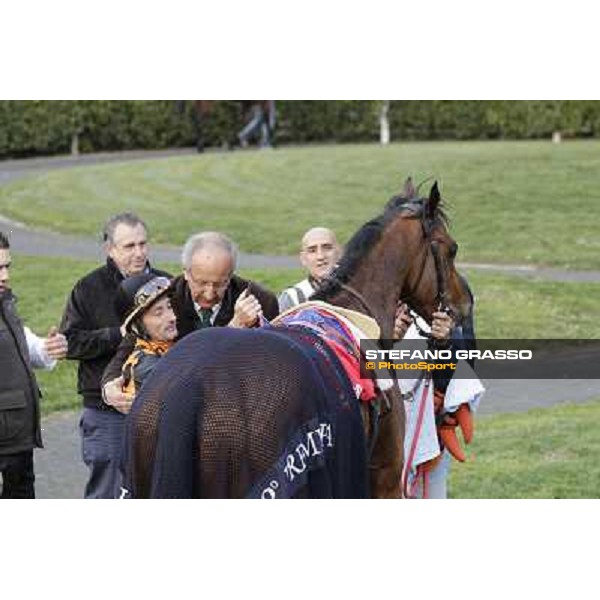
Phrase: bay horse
{"type": "Point", "coordinates": [269, 412]}
{"type": "Point", "coordinates": [257, 115]}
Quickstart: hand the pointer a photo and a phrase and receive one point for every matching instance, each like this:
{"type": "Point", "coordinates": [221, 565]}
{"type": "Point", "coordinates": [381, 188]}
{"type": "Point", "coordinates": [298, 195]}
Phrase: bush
{"type": "Point", "coordinates": [47, 127]}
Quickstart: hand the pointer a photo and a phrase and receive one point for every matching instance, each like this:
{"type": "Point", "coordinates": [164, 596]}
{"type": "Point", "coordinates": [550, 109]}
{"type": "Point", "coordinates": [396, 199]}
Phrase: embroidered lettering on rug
{"type": "Point", "coordinates": [305, 453]}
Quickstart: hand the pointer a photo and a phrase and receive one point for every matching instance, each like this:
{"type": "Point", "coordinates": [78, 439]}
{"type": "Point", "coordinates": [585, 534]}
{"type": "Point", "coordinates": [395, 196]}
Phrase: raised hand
{"type": "Point", "coordinates": [247, 310]}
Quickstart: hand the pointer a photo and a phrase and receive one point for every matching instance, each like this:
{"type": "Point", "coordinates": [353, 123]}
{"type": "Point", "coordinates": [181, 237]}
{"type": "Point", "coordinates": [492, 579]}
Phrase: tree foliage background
{"type": "Point", "coordinates": [41, 127]}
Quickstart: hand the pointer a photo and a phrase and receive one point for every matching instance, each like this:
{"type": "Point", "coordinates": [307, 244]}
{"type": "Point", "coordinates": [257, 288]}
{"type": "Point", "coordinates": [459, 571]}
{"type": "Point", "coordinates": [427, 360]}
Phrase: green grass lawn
{"type": "Point", "coordinates": [523, 202]}
{"type": "Point", "coordinates": [540, 454]}
{"type": "Point", "coordinates": [507, 307]}
{"type": "Point", "coordinates": [544, 453]}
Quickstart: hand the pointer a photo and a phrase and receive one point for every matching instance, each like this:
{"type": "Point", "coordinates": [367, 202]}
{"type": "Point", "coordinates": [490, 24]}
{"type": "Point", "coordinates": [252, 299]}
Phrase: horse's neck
{"type": "Point", "coordinates": [369, 308]}
{"type": "Point", "coordinates": [373, 295]}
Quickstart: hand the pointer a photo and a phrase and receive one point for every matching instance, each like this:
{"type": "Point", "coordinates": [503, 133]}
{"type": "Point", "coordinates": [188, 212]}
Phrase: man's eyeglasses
{"type": "Point", "coordinates": [217, 286]}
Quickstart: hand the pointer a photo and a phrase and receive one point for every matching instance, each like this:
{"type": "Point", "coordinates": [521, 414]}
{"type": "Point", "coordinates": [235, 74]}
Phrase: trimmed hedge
{"type": "Point", "coordinates": [494, 119]}
{"type": "Point", "coordinates": [48, 127]}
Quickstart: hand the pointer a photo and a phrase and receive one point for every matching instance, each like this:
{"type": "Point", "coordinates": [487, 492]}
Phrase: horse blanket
{"type": "Point", "coordinates": [255, 413]}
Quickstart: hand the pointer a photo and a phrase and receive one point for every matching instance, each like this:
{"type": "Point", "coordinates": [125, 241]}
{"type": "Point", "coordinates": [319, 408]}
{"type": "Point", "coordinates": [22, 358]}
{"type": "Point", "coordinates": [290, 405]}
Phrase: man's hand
{"type": "Point", "coordinates": [402, 321]}
{"type": "Point", "coordinates": [246, 311]}
{"type": "Point", "coordinates": [55, 344]}
{"type": "Point", "coordinates": [113, 395]}
{"type": "Point", "coordinates": [441, 326]}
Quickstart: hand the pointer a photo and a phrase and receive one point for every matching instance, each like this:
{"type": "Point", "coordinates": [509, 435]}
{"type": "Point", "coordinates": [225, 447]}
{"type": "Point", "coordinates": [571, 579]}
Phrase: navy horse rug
{"type": "Point", "coordinates": [247, 413]}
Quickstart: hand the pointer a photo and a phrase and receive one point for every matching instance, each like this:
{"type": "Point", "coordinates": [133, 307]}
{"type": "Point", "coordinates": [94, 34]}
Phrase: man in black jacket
{"type": "Point", "coordinates": [20, 350]}
{"type": "Point", "coordinates": [92, 328]}
{"type": "Point", "coordinates": [207, 294]}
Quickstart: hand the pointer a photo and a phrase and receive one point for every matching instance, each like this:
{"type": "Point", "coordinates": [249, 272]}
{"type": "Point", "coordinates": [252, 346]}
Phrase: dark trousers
{"type": "Point", "coordinates": [17, 475]}
{"type": "Point", "coordinates": [101, 441]}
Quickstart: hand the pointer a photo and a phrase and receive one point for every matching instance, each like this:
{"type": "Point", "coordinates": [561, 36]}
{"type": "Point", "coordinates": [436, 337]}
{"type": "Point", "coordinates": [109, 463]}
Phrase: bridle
{"type": "Point", "coordinates": [441, 298]}
{"type": "Point", "coordinates": [357, 295]}
{"type": "Point", "coordinates": [377, 412]}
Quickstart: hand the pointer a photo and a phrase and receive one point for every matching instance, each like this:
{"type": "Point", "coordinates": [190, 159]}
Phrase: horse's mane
{"type": "Point", "coordinates": [356, 249]}
{"type": "Point", "coordinates": [369, 234]}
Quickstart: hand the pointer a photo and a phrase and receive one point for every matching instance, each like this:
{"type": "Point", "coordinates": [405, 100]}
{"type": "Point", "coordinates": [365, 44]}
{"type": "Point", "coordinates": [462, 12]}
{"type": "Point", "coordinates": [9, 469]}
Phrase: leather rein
{"type": "Point", "coordinates": [375, 409]}
{"type": "Point", "coordinates": [440, 273]}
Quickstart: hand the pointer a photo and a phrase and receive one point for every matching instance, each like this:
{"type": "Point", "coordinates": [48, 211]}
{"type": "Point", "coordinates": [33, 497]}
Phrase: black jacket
{"type": "Point", "coordinates": [187, 318]}
{"type": "Point", "coordinates": [92, 328]}
{"type": "Point", "coordinates": [19, 393]}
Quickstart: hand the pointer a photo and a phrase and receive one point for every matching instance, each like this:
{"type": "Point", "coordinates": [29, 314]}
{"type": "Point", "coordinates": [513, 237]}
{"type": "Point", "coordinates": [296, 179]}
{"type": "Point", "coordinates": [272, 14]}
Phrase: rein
{"type": "Point", "coordinates": [440, 275]}
{"type": "Point", "coordinates": [376, 411]}
{"type": "Point", "coordinates": [358, 296]}
{"type": "Point", "coordinates": [442, 290]}
{"type": "Point", "coordinates": [382, 406]}
{"type": "Point", "coordinates": [375, 408]}
{"type": "Point", "coordinates": [415, 440]}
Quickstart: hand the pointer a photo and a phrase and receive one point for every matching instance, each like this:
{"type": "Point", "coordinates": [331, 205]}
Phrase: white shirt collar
{"type": "Point", "coordinates": [215, 309]}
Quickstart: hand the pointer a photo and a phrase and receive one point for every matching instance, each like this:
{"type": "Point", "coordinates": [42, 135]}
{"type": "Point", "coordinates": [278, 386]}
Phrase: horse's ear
{"type": "Point", "coordinates": [433, 201]}
{"type": "Point", "coordinates": [409, 190]}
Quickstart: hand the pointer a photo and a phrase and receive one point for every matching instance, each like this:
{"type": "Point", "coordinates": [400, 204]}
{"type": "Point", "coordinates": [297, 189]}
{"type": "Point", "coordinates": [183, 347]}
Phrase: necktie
{"type": "Point", "coordinates": [205, 315]}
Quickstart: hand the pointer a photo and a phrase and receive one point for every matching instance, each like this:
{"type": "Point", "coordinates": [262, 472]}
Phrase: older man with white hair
{"type": "Point", "coordinates": [319, 254]}
{"type": "Point", "coordinates": [207, 294]}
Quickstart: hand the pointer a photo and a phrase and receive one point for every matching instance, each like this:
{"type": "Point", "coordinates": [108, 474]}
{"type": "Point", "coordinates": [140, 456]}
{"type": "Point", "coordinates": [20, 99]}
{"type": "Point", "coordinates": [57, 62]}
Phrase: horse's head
{"type": "Point", "coordinates": [431, 282]}
{"type": "Point", "coordinates": [405, 253]}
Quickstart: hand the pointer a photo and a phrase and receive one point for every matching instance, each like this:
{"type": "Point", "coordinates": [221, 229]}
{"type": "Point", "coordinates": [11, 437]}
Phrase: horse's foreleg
{"type": "Point", "coordinates": [387, 459]}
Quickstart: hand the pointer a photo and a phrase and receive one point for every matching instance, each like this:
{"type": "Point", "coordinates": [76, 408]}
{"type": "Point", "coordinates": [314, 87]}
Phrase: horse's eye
{"type": "Point", "coordinates": [453, 250]}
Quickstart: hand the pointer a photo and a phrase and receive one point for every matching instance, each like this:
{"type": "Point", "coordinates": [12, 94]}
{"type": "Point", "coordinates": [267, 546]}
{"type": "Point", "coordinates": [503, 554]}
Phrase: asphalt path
{"type": "Point", "coordinates": [59, 469]}
{"type": "Point", "coordinates": [33, 242]}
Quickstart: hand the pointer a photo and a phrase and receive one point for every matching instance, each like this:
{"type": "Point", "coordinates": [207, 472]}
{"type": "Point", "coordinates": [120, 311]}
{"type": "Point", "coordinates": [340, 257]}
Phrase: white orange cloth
{"type": "Point", "coordinates": [420, 418]}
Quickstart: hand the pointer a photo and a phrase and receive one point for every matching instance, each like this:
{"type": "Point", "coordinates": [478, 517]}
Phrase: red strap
{"type": "Point", "coordinates": [413, 449]}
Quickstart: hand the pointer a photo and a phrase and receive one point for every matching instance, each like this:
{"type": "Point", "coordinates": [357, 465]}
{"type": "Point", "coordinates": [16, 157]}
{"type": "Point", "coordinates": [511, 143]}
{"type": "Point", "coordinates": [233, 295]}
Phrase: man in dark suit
{"type": "Point", "coordinates": [92, 327]}
{"type": "Point", "coordinates": [207, 294]}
